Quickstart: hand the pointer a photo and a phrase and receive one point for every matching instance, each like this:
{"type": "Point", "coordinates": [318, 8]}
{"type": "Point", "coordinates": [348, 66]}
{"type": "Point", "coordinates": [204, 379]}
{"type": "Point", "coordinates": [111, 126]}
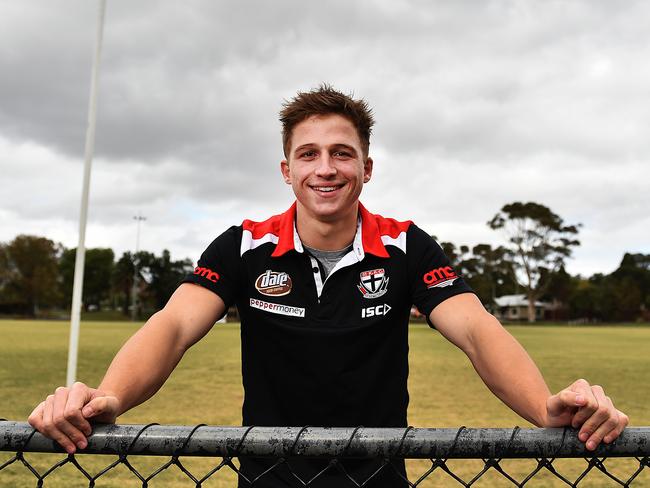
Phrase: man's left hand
{"type": "Point", "coordinates": [586, 406]}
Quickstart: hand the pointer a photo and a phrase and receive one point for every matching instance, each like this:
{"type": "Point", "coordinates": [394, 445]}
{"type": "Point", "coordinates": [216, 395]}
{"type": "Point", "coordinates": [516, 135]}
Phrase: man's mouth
{"type": "Point", "coordinates": [326, 189]}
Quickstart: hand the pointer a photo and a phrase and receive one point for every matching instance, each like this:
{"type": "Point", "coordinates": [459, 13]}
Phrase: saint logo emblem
{"type": "Point", "coordinates": [373, 283]}
{"type": "Point", "coordinates": [273, 283]}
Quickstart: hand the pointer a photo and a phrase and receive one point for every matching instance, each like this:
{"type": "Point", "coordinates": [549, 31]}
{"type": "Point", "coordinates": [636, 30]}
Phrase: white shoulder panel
{"type": "Point", "coordinates": [248, 243]}
{"type": "Point", "coordinates": [399, 241]}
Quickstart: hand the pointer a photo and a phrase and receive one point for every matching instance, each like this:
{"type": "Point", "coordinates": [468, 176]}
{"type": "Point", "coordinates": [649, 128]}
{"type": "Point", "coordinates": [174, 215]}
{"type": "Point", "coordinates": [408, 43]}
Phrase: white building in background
{"type": "Point", "coordinates": [515, 307]}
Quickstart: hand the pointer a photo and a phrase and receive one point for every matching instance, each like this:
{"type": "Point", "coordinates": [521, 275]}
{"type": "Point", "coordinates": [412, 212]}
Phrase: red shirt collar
{"type": "Point", "coordinates": [366, 240]}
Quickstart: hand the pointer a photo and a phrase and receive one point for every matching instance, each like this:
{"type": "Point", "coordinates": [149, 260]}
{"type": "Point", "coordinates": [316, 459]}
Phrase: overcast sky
{"type": "Point", "coordinates": [478, 104]}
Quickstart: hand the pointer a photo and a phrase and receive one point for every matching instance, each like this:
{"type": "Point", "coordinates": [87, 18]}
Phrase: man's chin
{"type": "Point", "coordinates": [331, 213]}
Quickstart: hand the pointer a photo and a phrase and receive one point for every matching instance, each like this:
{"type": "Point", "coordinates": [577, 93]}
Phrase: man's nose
{"type": "Point", "coordinates": [325, 166]}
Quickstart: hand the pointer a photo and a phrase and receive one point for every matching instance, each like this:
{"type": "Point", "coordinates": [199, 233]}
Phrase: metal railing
{"type": "Point", "coordinates": [325, 457]}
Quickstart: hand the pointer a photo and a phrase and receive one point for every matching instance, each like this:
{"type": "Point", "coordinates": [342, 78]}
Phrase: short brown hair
{"type": "Point", "coordinates": [326, 100]}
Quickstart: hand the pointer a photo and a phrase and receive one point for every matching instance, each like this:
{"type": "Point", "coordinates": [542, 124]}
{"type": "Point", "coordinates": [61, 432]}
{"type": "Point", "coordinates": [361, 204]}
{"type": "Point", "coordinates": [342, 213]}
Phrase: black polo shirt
{"type": "Point", "coordinates": [334, 351]}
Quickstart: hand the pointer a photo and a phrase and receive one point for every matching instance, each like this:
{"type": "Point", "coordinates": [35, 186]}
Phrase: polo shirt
{"type": "Point", "coordinates": [326, 351]}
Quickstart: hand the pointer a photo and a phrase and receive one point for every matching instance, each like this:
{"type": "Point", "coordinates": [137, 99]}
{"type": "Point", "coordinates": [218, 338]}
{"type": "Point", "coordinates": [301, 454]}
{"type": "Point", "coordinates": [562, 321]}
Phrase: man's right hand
{"type": "Point", "coordinates": [64, 416]}
{"type": "Point", "coordinates": [138, 370]}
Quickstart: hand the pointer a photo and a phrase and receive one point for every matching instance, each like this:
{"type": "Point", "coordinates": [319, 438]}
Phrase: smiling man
{"type": "Point", "coordinates": [324, 291]}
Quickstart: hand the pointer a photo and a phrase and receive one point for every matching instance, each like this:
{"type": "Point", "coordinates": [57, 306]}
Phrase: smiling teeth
{"type": "Point", "coordinates": [325, 188]}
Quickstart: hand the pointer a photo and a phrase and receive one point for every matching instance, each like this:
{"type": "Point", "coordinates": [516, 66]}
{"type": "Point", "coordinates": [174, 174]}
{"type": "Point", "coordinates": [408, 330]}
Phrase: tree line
{"type": "Point", "coordinates": [36, 277]}
{"type": "Point", "coordinates": [532, 262]}
{"type": "Point", "coordinates": [36, 274]}
{"type": "Point", "coordinates": [621, 296]}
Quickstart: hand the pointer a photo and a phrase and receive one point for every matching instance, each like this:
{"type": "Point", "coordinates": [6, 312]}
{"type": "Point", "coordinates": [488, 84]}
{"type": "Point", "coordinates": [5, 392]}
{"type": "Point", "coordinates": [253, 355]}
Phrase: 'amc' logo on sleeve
{"type": "Point", "coordinates": [440, 277]}
{"type": "Point", "coordinates": [207, 273]}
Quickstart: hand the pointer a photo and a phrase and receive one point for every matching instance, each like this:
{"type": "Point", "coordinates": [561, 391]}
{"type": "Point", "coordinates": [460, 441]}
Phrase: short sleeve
{"type": "Point", "coordinates": [433, 279]}
{"type": "Point", "coordinates": [219, 268]}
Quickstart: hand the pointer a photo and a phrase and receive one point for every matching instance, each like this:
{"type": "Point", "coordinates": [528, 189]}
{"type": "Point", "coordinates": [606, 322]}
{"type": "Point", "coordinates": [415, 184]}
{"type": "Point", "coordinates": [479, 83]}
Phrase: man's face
{"type": "Point", "coordinates": [326, 168]}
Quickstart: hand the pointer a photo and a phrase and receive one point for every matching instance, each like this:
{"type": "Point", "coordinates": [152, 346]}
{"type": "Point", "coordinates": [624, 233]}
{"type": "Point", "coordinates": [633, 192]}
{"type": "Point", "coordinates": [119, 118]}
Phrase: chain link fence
{"type": "Point", "coordinates": [318, 457]}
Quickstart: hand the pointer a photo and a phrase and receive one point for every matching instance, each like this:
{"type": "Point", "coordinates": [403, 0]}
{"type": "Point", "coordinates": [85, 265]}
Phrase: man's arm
{"type": "Point", "coordinates": [138, 370]}
{"type": "Point", "coordinates": [510, 373]}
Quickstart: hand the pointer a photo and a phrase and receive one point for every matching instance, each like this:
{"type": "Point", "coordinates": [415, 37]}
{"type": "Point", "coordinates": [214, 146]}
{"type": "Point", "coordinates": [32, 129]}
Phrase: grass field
{"type": "Point", "coordinates": [206, 387]}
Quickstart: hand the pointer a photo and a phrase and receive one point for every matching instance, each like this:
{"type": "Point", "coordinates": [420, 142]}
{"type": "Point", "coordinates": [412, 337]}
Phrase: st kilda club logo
{"type": "Point", "coordinates": [273, 283]}
{"type": "Point", "coordinates": [373, 283]}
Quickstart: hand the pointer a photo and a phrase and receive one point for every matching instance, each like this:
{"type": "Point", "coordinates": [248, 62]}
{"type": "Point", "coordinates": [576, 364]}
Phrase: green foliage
{"type": "Point", "coordinates": [37, 275]}
{"type": "Point", "coordinates": [29, 273]}
{"type": "Point", "coordinates": [158, 277]}
{"type": "Point", "coordinates": [165, 277]}
{"type": "Point", "coordinates": [623, 295]}
{"type": "Point", "coordinates": [122, 280]}
{"type": "Point", "coordinates": [98, 269]}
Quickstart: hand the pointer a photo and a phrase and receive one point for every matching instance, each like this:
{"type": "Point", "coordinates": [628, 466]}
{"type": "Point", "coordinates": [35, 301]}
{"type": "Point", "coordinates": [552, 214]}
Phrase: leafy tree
{"type": "Point", "coordinates": [7, 300]}
{"type": "Point", "coordinates": [165, 277]}
{"type": "Point", "coordinates": [559, 291]}
{"type": "Point", "coordinates": [5, 271]}
{"type": "Point", "coordinates": [492, 272]}
{"type": "Point", "coordinates": [123, 281]}
{"type": "Point", "coordinates": [148, 269]}
{"type": "Point", "coordinates": [628, 288]}
{"type": "Point", "coordinates": [31, 272]}
{"type": "Point", "coordinates": [538, 243]}
{"type": "Point", "coordinates": [583, 299]}
{"type": "Point", "coordinates": [636, 268]}
{"type": "Point", "coordinates": [98, 270]}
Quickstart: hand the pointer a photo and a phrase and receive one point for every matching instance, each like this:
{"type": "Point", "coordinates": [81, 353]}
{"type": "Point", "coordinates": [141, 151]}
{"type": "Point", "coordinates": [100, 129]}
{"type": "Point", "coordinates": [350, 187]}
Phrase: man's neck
{"type": "Point", "coordinates": [326, 235]}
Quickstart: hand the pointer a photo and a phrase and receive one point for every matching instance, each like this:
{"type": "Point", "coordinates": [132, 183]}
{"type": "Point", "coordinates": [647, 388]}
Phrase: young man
{"type": "Point", "coordinates": [324, 292]}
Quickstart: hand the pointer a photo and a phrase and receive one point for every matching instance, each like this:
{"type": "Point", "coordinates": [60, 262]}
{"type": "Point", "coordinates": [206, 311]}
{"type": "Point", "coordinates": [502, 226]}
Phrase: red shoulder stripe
{"type": "Point", "coordinates": [278, 228]}
{"type": "Point", "coordinates": [377, 230]}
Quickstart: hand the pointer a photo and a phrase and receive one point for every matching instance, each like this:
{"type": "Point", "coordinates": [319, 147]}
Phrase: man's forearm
{"type": "Point", "coordinates": [507, 369]}
{"type": "Point", "coordinates": [144, 363]}
{"type": "Point", "coordinates": [511, 374]}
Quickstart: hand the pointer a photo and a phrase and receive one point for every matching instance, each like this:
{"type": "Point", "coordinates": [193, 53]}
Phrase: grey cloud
{"type": "Point", "coordinates": [545, 98]}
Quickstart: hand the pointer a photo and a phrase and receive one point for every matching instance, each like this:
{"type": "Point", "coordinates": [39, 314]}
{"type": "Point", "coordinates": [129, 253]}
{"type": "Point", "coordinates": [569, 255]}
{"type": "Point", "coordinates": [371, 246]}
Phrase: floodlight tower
{"type": "Point", "coordinates": [134, 292]}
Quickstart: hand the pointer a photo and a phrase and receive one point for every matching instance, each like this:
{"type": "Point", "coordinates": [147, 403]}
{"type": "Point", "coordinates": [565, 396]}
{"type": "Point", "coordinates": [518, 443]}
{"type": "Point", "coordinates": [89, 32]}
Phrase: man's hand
{"type": "Point", "coordinates": [586, 406]}
{"type": "Point", "coordinates": [64, 415]}
{"type": "Point", "coordinates": [138, 370]}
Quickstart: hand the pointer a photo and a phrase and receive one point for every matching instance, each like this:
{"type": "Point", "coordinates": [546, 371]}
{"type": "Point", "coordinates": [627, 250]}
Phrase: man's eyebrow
{"type": "Point", "coordinates": [344, 146]}
{"type": "Point", "coordinates": [309, 145]}
{"type": "Point", "coordinates": [335, 147]}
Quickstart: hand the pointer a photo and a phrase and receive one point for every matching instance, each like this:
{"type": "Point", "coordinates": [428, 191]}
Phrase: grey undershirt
{"type": "Point", "coordinates": [327, 259]}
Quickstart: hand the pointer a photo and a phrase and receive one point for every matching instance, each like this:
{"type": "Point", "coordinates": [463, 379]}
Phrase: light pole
{"type": "Point", "coordinates": [134, 292]}
{"type": "Point", "coordinates": [77, 287]}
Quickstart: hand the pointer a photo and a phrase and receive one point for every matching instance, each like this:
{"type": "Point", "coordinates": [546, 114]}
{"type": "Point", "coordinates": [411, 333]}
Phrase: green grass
{"type": "Point", "coordinates": [206, 387]}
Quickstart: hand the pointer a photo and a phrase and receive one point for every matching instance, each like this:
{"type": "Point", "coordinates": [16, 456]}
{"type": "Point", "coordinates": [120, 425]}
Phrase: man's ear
{"type": "Point", "coordinates": [367, 169]}
{"type": "Point", "coordinates": [286, 172]}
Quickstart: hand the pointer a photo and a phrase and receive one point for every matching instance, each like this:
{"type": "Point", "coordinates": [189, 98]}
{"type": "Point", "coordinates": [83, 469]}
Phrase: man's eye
{"type": "Point", "coordinates": [341, 154]}
{"type": "Point", "coordinates": [308, 154]}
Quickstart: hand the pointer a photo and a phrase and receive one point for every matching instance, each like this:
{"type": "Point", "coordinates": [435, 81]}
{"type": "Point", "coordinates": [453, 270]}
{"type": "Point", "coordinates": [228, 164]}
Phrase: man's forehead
{"type": "Point", "coordinates": [332, 128]}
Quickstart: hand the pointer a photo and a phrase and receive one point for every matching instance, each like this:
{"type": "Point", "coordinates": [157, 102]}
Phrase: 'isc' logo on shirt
{"type": "Point", "coordinates": [273, 283]}
{"type": "Point", "coordinates": [375, 311]}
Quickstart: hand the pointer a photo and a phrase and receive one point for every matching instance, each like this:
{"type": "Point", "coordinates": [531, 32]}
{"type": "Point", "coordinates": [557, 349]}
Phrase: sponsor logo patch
{"type": "Point", "coordinates": [373, 283]}
{"type": "Point", "coordinates": [207, 273]}
{"type": "Point", "coordinates": [375, 311]}
{"type": "Point", "coordinates": [440, 277]}
{"type": "Point", "coordinates": [273, 283]}
{"type": "Point", "coordinates": [277, 308]}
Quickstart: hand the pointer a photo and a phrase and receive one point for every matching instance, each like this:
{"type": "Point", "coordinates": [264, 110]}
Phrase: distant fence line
{"type": "Point", "coordinates": [283, 446]}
